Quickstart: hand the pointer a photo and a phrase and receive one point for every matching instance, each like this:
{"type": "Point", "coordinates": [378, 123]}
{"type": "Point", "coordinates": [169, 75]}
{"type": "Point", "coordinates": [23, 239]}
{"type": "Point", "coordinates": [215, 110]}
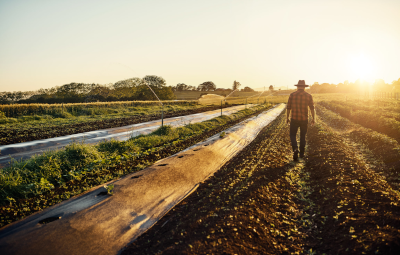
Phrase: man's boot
{"type": "Point", "coordinates": [295, 154]}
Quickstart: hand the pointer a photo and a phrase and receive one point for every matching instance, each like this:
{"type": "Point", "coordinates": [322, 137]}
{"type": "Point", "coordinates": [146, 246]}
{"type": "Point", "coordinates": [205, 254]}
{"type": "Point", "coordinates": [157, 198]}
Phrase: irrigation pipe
{"type": "Point", "coordinates": [162, 105]}
{"type": "Point", "coordinates": [229, 94]}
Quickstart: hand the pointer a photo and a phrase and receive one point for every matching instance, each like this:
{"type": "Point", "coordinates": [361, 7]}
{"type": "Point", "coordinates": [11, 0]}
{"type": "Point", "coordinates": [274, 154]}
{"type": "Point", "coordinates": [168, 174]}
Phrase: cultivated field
{"type": "Point", "coordinates": [32, 185]}
{"type": "Point", "coordinates": [29, 122]}
{"type": "Point", "coordinates": [342, 198]}
{"type": "Point", "coordinates": [29, 128]}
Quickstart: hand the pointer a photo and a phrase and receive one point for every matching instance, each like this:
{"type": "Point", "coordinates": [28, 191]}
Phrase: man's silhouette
{"type": "Point", "coordinates": [297, 116]}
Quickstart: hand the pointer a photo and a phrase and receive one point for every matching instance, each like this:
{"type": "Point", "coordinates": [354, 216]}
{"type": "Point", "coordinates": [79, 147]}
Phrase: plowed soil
{"type": "Point", "coordinates": [262, 202]}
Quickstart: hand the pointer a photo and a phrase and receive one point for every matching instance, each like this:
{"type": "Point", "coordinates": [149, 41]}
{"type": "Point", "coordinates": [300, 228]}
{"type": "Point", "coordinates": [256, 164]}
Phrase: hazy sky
{"type": "Point", "coordinates": [47, 43]}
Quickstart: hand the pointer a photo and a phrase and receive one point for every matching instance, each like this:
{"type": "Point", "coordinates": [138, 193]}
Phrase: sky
{"type": "Point", "coordinates": [48, 43]}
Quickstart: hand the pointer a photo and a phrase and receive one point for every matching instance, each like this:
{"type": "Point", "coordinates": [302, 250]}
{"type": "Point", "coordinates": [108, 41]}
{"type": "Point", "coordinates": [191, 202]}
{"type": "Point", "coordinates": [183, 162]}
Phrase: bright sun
{"type": "Point", "coordinates": [362, 67]}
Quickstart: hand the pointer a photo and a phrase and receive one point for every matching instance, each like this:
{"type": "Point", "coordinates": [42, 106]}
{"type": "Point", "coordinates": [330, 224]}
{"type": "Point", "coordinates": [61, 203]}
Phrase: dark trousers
{"type": "Point", "coordinates": [294, 126]}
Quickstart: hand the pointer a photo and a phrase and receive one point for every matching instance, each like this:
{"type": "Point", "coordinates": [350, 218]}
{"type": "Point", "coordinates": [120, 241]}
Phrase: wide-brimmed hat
{"type": "Point", "coordinates": [301, 83]}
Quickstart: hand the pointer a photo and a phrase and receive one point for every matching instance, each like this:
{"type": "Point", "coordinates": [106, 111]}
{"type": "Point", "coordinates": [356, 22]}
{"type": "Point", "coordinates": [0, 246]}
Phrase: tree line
{"type": "Point", "coordinates": [210, 86]}
{"type": "Point", "coordinates": [354, 87]}
{"type": "Point", "coordinates": [125, 90]}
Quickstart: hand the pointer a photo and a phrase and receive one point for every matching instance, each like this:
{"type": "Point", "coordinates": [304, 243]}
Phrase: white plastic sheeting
{"type": "Point", "coordinates": [27, 149]}
{"type": "Point", "coordinates": [94, 224]}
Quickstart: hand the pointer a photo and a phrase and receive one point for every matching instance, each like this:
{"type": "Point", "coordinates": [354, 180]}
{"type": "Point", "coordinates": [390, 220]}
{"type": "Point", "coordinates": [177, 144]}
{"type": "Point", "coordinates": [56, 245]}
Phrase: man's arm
{"type": "Point", "coordinates": [288, 109]}
{"type": "Point", "coordinates": [288, 115]}
{"type": "Point", "coordinates": [311, 105]}
{"type": "Point", "coordinates": [313, 116]}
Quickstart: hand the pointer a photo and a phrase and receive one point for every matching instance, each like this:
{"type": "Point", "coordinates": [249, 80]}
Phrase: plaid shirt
{"type": "Point", "coordinates": [298, 103]}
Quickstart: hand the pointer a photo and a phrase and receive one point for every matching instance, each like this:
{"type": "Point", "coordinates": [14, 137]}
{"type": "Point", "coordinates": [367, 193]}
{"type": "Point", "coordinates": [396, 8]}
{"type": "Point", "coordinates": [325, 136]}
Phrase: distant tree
{"type": "Point", "coordinates": [128, 83]}
{"type": "Point", "coordinates": [207, 86]}
{"type": "Point", "coordinates": [341, 88]}
{"type": "Point", "coordinates": [144, 93]}
{"type": "Point", "coordinates": [325, 88]}
{"type": "Point", "coordinates": [158, 85]}
{"type": "Point", "coordinates": [12, 97]}
{"type": "Point", "coordinates": [396, 85]}
{"type": "Point", "coordinates": [154, 80]}
{"type": "Point", "coordinates": [126, 88]}
{"type": "Point", "coordinates": [236, 85]}
{"type": "Point", "coordinates": [73, 89]}
{"type": "Point", "coordinates": [380, 85]}
{"type": "Point", "coordinates": [129, 89]}
{"type": "Point", "coordinates": [271, 87]}
{"type": "Point", "coordinates": [248, 89]}
{"type": "Point", "coordinates": [182, 87]}
{"type": "Point", "coordinates": [100, 93]}
{"type": "Point", "coordinates": [315, 88]}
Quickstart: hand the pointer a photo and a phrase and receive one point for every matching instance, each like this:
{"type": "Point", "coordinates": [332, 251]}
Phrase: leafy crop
{"type": "Point", "coordinates": [381, 119]}
{"type": "Point", "coordinates": [29, 128]}
{"type": "Point", "coordinates": [16, 110]}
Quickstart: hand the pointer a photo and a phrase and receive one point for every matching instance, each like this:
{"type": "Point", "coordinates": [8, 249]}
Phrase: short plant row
{"type": "Point", "coordinates": [29, 128]}
{"type": "Point", "coordinates": [380, 120]}
{"type": "Point", "coordinates": [16, 110]}
{"type": "Point", "coordinates": [384, 148]}
{"type": "Point", "coordinates": [355, 211]}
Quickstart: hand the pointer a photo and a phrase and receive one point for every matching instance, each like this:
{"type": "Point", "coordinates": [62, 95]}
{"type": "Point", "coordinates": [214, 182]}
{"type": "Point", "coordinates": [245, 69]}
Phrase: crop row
{"type": "Point", "coordinates": [15, 110]}
{"type": "Point", "coordinates": [383, 107]}
{"type": "Point", "coordinates": [44, 180]}
{"type": "Point", "coordinates": [379, 120]}
{"type": "Point", "coordinates": [354, 210]}
{"type": "Point", "coordinates": [381, 147]}
{"type": "Point", "coordinates": [10, 134]}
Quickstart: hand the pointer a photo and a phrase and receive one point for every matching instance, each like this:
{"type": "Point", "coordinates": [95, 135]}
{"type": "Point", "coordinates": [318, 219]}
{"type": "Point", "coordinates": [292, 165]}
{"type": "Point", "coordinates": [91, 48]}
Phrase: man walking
{"type": "Point", "coordinates": [297, 105]}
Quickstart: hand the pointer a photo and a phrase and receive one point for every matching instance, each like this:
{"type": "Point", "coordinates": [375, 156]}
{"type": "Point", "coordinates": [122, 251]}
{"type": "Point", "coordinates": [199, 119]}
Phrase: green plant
{"type": "Point", "coordinates": [110, 189]}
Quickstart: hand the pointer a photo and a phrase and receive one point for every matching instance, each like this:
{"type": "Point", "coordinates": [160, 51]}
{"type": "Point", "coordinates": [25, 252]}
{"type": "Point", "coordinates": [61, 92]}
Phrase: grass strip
{"type": "Point", "coordinates": [44, 180]}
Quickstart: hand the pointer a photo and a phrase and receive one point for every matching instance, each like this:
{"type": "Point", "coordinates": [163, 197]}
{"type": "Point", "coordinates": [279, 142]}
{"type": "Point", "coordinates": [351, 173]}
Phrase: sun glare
{"type": "Point", "coordinates": [362, 67]}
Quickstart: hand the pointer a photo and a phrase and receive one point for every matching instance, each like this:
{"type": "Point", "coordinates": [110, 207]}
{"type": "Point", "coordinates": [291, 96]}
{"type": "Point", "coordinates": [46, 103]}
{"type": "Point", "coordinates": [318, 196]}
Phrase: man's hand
{"type": "Point", "coordinates": [312, 122]}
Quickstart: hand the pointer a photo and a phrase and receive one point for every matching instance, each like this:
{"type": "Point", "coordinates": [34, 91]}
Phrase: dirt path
{"type": "Point", "coordinates": [261, 202]}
